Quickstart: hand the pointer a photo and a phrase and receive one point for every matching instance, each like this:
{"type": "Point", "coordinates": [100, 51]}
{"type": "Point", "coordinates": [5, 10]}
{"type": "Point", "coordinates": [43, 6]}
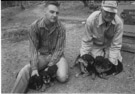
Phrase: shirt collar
{"type": "Point", "coordinates": [101, 21]}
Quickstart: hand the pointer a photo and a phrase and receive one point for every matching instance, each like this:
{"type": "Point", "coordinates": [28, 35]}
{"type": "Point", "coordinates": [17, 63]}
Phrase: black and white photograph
{"type": "Point", "coordinates": [68, 46]}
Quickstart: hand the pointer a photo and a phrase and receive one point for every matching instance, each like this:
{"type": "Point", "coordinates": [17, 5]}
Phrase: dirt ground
{"type": "Point", "coordinates": [15, 52]}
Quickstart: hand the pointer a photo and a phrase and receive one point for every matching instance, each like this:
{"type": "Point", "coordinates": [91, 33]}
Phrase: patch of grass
{"type": "Point", "coordinates": [16, 35]}
{"type": "Point", "coordinates": [74, 8]}
{"type": "Point", "coordinates": [8, 13]}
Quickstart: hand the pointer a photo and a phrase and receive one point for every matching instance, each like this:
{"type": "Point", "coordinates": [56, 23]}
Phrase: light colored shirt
{"type": "Point", "coordinates": [99, 37]}
{"type": "Point", "coordinates": [46, 41]}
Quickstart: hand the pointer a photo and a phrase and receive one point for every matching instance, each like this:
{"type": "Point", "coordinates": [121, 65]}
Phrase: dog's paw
{"type": "Point", "coordinates": [52, 83]}
{"type": "Point", "coordinates": [104, 76]}
{"type": "Point", "coordinates": [43, 88]}
{"type": "Point", "coordinates": [85, 75]}
{"type": "Point", "coordinates": [77, 75]}
{"type": "Point", "coordinates": [93, 76]}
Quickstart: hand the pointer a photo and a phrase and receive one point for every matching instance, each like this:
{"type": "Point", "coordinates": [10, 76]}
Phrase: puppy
{"type": "Point", "coordinates": [45, 78]}
{"type": "Point", "coordinates": [85, 64]}
{"type": "Point", "coordinates": [49, 74]}
{"type": "Point", "coordinates": [104, 67]}
{"type": "Point", "coordinates": [35, 82]}
{"type": "Point", "coordinates": [115, 69]}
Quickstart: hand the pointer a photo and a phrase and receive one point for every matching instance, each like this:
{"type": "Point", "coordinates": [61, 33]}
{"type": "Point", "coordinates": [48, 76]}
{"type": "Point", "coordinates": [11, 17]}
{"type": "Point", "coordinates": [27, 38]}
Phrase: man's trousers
{"type": "Point", "coordinates": [24, 75]}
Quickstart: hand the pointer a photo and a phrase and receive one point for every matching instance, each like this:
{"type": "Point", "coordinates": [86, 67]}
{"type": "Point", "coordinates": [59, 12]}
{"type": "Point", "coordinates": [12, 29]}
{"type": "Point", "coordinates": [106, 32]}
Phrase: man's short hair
{"type": "Point", "coordinates": [56, 3]}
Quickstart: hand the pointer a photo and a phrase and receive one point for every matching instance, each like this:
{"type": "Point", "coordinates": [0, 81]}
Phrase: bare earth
{"type": "Point", "coordinates": [15, 52]}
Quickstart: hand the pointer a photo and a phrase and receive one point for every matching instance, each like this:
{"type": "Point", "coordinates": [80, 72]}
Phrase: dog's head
{"type": "Point", "coordinates": [45, 77]}
{"type": "Point", "coordinates": [48, 74]}
{"type": "Point", "coordinates": [86, 60]}
{"type": "Point", "coordinates": [102, 64]}
{"type": "Point", "coordinates": [86, 63]}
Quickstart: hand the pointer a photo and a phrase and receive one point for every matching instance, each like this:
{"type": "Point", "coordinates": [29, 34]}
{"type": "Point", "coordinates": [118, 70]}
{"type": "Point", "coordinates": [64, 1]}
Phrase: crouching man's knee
{"type": "Point", "coordinates": [62, 73]}
{"type": "Point", "coordinates": [62, 78]}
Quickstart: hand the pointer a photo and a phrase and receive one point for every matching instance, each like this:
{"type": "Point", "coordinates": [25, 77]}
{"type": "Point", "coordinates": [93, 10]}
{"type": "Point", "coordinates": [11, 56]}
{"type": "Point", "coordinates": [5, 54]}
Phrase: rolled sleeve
{"type": "Point", "coordinates": [33, 40]}
{"type": "Point", "coordinates": [116, 45]}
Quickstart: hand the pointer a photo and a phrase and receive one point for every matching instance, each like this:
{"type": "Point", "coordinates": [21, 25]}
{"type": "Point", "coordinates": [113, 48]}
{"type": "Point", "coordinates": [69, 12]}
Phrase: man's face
{"type": "Point", "coordinates": [51, 13]}
{"type": "Point", "coordinates": [108, 16]}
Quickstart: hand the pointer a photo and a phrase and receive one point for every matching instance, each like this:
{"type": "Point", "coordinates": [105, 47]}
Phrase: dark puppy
{"type": "Point", "coordinates": [49, 74]}
{"type": "Point", "coordinates": [116, 69]}
{"type": "Point", "coordinates": [35, 82]}
{"type": "Point", "coordinates": [45, 77]}
{"type": "Point", "coordinates": [89, 67]}
{"type": "Point", "coordinates": [85, 64]}
{"type": "Point", "coordinates": [104, 67]}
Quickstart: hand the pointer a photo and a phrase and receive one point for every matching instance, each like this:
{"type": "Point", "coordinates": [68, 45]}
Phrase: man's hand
{"type": "Point", "coordinates": [113, 61]}
{"type": "Point", "coordinates": [83, 62]}
{"type": "Point", "coordinates": [50, 64]}
{"type": "Point", "coordinates": [34, 72]}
